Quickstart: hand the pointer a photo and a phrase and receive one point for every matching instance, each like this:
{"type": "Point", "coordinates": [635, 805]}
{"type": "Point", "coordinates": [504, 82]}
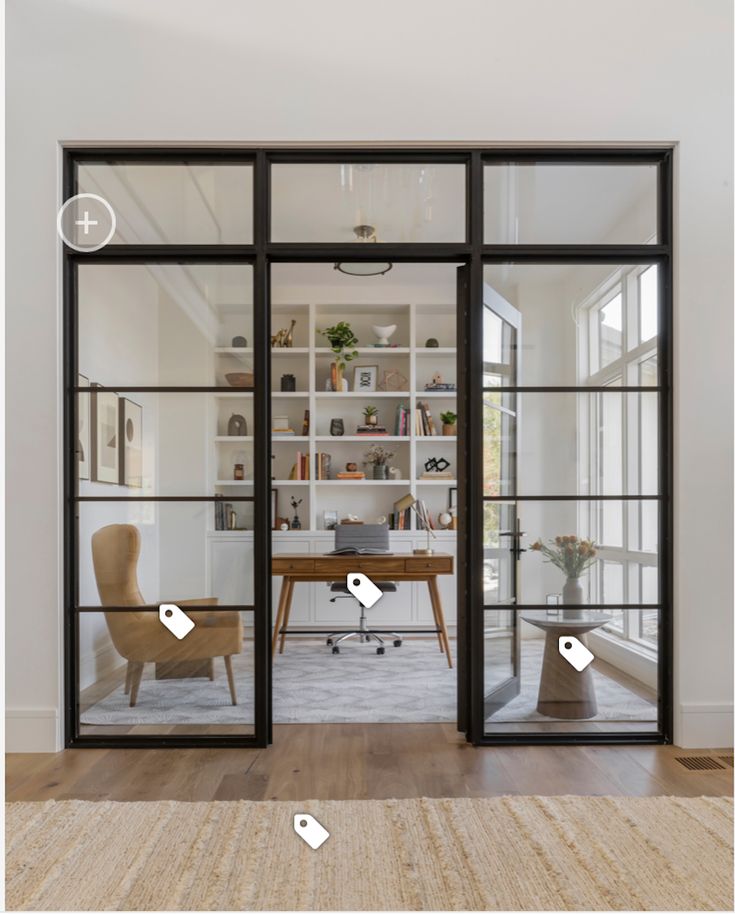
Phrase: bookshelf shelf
{"type": "Point", "coordinates": [411, 365]}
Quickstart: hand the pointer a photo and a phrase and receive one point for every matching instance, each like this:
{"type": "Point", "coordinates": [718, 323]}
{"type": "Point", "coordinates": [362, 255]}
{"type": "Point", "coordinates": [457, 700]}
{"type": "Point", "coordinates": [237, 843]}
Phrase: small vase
{"type": "Point", "coordinates": [449, 429]}
{"type": "Point", "coordinates": [573, 594]}
{"type": "Point", "coordinates": [380, 471]}
{"type": "Point", "coordinates": [337, 427]}
{"type": "Point", "coordinates": [237, 426]}
{"type": "Point", "coordinates": [371, 420]}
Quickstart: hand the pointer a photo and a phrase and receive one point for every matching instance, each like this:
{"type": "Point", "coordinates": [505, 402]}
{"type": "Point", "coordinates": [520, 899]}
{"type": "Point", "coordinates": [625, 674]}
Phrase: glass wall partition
{"type": "Point", "coordinates": [187, 342]}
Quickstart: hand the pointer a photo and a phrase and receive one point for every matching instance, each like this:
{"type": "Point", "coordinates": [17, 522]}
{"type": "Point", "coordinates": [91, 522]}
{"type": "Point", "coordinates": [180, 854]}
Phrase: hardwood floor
{"type": "Point", "coordinates": [360, 761]}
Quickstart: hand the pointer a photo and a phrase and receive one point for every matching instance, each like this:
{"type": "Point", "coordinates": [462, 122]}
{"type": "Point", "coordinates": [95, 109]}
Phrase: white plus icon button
{"type": "Point", "coordinates": [86, 222]}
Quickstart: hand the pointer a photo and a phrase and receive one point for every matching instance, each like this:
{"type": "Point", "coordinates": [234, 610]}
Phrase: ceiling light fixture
{"type": "Point", "coordinates": [364, 234]}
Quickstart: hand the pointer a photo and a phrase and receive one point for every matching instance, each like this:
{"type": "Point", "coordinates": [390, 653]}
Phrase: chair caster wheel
{"type": "Point", "coordinates": [329, 642]}
{"type": "Point", "coordinates": [397, 643]}
{"type": "Point", "coordinates": [380, 650]}
{"type": "Point", "coordinates": [335, 649]}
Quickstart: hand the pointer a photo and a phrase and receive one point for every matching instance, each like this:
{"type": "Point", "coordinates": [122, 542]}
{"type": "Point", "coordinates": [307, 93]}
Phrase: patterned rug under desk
{"type": "Point", "coordinates": [409, 684]}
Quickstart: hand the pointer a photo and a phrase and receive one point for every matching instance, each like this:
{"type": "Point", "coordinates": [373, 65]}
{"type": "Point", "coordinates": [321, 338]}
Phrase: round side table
{"type": "Point", "coordinates": [563, 692]}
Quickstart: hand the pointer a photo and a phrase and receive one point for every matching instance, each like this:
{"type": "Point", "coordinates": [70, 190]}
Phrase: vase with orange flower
{"type": "Point", "coordinates": [573, 556]}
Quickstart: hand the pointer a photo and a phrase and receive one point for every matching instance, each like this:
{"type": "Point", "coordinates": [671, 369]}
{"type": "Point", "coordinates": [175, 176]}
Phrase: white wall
{"type": "Point", "coordinates": [526, 71]}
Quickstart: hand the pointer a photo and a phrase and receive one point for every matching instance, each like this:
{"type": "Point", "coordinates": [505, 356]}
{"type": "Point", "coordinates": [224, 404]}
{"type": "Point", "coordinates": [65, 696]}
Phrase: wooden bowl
{"type": "Point", "coordinates": [240, 378]}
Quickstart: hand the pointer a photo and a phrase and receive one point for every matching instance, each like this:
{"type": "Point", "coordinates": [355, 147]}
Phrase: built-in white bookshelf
{"type": "Point", "coordinates": [309, 362]}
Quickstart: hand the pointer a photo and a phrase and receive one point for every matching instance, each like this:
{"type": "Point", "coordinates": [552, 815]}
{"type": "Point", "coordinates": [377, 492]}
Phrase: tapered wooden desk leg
{"type": "Point", "coordinates": [436, 620]}
{"type": "Point", "coordinates": [279, 615]}
{"type": "Point", "coordinates": [436, 603]}
{"type": "Point", "coordinates": [286, 613]}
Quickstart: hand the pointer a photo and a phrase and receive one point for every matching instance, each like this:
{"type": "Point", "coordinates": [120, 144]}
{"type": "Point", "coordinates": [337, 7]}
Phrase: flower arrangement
{"type": "Point", "coordinates": [377, 456]}
{"type": "Point", "coordinates": [570, 554]}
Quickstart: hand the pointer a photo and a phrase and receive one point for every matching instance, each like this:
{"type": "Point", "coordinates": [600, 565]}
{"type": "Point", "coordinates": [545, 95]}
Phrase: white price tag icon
{"type": "Point", "coordinates": [307, 827]}
{"type": "Point", "coordinates": [363, 589]}
{"type": "Point", "coordinates": [574, 652]}
{"type": "Point", "coordinates": [175, 620]}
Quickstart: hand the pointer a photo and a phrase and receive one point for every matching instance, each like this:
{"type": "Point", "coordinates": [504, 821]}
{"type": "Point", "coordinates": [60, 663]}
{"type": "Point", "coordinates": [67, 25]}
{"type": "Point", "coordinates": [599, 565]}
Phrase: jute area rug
{"type": "Point", "coordinates": [505, 853]}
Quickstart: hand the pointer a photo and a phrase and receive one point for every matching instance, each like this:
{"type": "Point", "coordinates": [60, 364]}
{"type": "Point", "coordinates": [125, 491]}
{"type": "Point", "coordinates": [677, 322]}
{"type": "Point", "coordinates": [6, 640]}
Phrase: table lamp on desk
{"type": "Point", "coordinates": [408, 501]}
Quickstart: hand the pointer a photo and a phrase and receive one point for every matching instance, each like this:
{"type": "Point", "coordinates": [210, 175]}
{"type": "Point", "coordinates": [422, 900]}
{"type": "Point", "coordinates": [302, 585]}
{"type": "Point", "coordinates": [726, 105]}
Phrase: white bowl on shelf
{"type": "Point", "coordinates": [384, 333]}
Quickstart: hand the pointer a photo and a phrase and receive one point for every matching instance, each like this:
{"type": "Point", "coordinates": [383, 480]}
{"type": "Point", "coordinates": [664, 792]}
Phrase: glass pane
{"type": "Point", "coordinates": [570, 204]}
{"type": "Point", "coordinates": [571, 534]}
{"type": "Point", "coordinates": [498, 569]}
{"type": "Point", "coordinates": [187, 203]}
{"type": "Point", "coordinates": [648, 282]}
{"type": "Point", "coordinates": [577, 324]}
{"type": "Point", "coordinates": [368, 202]}
{"type": "Point", "coordinates": [166, 324]}
{"type": "Point", "coordinates": [616, 692]}
{"type": "Point", "coordinates": [142, 444]}
{"type": "Point", "coordinates": [499, 647]}
{"type": "Point", "coordinates": [182, 685]}
{"type": "Point", "coordinates": [570, 443]}
{"type": "Point", "coordinates": [178, 554]}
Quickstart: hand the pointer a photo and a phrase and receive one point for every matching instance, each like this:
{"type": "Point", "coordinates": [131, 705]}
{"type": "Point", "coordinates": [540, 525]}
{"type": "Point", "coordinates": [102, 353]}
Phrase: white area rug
{"type": "Point", "coordinates": [409, 684]}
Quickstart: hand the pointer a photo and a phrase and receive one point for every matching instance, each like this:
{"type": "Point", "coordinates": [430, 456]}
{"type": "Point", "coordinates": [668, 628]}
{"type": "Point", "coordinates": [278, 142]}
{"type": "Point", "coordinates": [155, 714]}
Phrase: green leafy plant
{"type": "Point", "coordinates": [378, 456]}
{"type": "Point", "coordinates": [448, 418]}
{"type": "Point", "coordinates": [569, 553]}
{"type": "Point", "coordinates": [342, 342]}
{"type": "Point", "coordinates": [370, 411]}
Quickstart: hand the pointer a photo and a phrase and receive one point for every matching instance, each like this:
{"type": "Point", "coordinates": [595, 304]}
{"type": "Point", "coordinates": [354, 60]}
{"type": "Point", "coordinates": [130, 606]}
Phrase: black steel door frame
{"type": "Point", "coordinates": [470, 255]}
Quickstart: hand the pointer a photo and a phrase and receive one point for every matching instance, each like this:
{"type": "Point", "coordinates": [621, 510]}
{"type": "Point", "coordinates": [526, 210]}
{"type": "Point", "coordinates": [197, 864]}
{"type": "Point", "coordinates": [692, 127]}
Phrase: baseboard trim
{"type": "Point", "coordinates": [32, 730]}
{"type": "Point", "coordinates": [701, 725]}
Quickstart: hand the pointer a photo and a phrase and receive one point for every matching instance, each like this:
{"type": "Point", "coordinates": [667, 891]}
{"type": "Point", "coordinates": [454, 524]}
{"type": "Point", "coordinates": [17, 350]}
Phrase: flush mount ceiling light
{"type": "Point", "coordinates": [365, 234]}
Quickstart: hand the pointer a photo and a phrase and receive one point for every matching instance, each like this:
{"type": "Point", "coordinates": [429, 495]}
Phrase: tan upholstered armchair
{"type": "Point", "coordinates": [140, 637]}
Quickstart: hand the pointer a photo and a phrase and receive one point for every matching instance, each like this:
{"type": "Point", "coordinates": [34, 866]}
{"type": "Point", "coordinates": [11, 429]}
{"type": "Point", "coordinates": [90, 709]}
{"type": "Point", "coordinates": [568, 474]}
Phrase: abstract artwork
{"type": "Point", "coordinates": [104, 433]}
{"type": "Point", "coordinates": [83, 426]}
{"type": "Point", "coordinates": [131, 444]}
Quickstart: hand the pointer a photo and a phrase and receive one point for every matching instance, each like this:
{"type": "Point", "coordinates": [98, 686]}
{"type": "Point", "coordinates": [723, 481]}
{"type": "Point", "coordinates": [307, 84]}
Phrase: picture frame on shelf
{"type": "Point", "coordinates": [331, 519]}
{"type": "Point", "coordinates": [104, 432]}
{"type": "Point", "coordinates": [83, 430]}
{"type": "Point", "coordinates": [452, 499]}
{"type": "Point", "coordinates": [365, 379]}
{"type": "Point", "coordinates": [131, 443]}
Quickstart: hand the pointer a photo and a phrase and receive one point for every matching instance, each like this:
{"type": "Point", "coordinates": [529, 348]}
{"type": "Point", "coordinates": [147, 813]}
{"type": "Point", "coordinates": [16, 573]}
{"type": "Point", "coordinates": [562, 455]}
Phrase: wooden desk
{"type": "Point", "coordinates": [297, 568]}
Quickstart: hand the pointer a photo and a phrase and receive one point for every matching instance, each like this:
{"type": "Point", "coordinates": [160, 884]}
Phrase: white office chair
{"type": "Point", "coordinates": [375, 537]}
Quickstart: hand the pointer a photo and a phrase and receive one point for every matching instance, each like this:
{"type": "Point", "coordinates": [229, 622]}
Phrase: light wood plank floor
{"type": "Point", "coordinates": [360, 761]}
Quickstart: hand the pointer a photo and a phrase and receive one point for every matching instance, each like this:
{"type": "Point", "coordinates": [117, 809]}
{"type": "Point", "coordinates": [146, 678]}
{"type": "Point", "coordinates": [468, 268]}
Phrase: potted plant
{"type": "Point", "coordinates": [371, 415]}
{"type": "Point", "coordinates": [378, 458]}
{"type": "Point", "coordinates": [573, 556]}
{"type": "Point", "coordinates": [342, 342]}
{"type": "Point", "coordinates": [449, 422]}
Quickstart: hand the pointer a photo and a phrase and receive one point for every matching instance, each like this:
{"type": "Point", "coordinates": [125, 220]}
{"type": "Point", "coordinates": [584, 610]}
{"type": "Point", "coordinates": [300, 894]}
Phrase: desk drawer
{"type": "Point", "coordinates": [342, 564]}
{"type": "Point", "coordinates": [292, 565]}
{"type": "Point", "coordinates": [436, 564]}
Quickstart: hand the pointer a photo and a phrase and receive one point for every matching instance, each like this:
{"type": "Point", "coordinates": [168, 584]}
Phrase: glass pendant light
{"type": "Point", "coordinates": [365, 234]}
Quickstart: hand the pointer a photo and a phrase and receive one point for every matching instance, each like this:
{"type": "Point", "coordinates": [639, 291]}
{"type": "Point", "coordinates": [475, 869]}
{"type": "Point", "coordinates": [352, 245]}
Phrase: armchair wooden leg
{"type": "Point", "coordinates": [128, 676]}
{"type": "Point", "coordinates": [231, 679]}
{"type": "Point", "coordinates": [136, 674]}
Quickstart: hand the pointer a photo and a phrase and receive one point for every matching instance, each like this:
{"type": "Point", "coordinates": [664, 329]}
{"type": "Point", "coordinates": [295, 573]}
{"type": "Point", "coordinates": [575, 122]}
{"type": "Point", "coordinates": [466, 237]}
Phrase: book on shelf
{"type": "Point", "coordinates": [305, 424]}
{"type": "Point", "coordinates": [359, 550]}
{"type": "Point", "coordinates": [437, 474]}
{"type": "Point", "coordinates": [438, 387]}
{"type": "Point", "coordinates": [282, 432]}
{"type": "Point", "coordinates": [402, 421]}
{"type": "Point", "coordinates": [322, 465]}
{"type": "Point", "coordinates": [346, 475]}
{"type": "Point", "coordinates": [368, 430]}
{"type": "Point", "coordinates": [301, 468]}
{"type": "Point", "coordinates": [424, 421]}
{"type": "Point", "coordinates": [421, 512]}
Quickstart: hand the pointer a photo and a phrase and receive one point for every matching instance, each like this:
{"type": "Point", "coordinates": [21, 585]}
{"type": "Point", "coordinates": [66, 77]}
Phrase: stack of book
{"type": "Point", "coordinates": [281, 428]}
{"type": "Point", "coordinates": [371, 430]}
{"type": "Point", "coordinates": [301, 468]}
{"type": "Point", "coordinates": [440, 386]}
{"type": "Point", "coordinates": [423, 511]}
{"type": "Point", "coordinates": [402, 420]}
{"type": "Point", "coordinates": [424, 423]}
{"type": "Point", "coordinates": [347, 475]}
{"type": "Point", "coordinates": [322, 465]}
{"type": "Point", "coordinates": [400, 520]}
{"type": "Point", "coordinates": [437, 474]}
